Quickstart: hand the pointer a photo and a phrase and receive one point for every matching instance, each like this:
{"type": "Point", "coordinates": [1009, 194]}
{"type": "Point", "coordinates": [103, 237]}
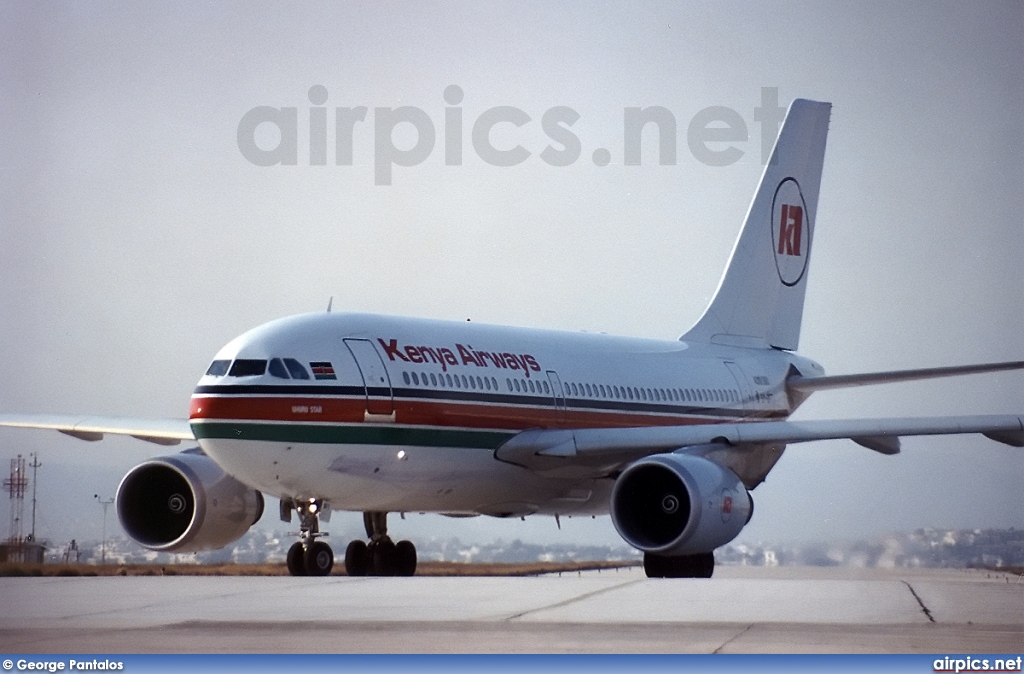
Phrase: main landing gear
{"type": "Point", "coordinates": [380, 556]}
{"type": "Point", "coordinates": [312, 557]}
{"type": "Point", "coordinates": [309, 556]}
{"type": "Point", "coordinates": [686, 566]}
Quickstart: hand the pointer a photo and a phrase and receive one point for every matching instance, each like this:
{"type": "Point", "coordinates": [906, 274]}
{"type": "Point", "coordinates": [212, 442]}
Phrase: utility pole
{"type": "Point", "coordinates": [35, 467]}
{"type": "Point", "coordinates": [105, 503]}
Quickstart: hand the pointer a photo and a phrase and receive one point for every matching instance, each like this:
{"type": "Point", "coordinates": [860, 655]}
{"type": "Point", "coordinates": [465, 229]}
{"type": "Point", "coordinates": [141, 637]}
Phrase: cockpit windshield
{"type": "Point", "coordinates": [218, 368]}
{"type": "Point", "coordinates": [282, 368]}
{"type": "Point", "coordinates": [287, 368]}
{"type": "Point", "coordinates": [247, 367]}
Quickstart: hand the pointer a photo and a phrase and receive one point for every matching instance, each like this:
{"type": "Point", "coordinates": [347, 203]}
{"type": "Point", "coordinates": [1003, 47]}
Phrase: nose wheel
{"type": "Point", "coordinates": [309, 556]}
{"type": "Point", "coordinates": [380, 556]}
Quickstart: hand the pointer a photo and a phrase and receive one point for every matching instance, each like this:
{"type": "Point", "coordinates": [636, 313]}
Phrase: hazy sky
{"type": "Point", "coordinates": [137, 239]}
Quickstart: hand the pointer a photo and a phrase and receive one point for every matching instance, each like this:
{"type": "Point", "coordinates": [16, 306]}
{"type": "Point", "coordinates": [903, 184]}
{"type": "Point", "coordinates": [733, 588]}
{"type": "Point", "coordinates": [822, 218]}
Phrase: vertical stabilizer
{"type": "Point", "coordinates": [760, 300]}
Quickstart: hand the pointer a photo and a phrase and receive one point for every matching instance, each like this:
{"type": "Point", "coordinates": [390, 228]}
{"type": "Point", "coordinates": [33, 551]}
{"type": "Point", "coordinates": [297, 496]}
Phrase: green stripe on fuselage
{"type": "Point", "coordinates": [351, 435]}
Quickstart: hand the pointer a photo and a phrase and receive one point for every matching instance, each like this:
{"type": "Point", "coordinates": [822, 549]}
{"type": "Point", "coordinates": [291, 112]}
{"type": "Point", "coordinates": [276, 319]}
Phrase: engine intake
{"type": "Point", "coordinates": [185, 503]}
{"type": "Point", "coordinates": [676, 504]}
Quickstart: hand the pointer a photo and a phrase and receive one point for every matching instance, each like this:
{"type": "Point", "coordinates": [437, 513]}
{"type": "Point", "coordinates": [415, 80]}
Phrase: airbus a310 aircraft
{"type": "Point", "coordinates": [378, 414]}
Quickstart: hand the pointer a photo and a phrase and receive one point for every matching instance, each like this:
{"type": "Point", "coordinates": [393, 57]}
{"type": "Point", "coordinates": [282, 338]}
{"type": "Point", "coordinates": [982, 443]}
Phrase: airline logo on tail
{"type": "Point", "coordinates": [790, 227]}
{"type": "Point", "coordinates": [791, 232]}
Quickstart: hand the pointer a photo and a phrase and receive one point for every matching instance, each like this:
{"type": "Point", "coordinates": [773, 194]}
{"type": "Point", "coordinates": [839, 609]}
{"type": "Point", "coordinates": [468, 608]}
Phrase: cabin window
{"type": "Point", "coordinates": [415, 379]}
{"type": "Point", "coordinates": [247, 367]}
{"type": "Point", "coordinates": [433, 379]}
{"type": "Point", "coordinates": [547, 389]}
{"type": "Point", "coordinates": [295, 369]}
{"type": "Point", "coordinates": [218, 368]}
{"type": "Point", "coordinates": [405, 376]}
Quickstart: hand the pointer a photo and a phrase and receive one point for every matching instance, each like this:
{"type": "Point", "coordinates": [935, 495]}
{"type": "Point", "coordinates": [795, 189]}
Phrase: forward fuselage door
{"type": "Point", "coordinates": [376, 381]}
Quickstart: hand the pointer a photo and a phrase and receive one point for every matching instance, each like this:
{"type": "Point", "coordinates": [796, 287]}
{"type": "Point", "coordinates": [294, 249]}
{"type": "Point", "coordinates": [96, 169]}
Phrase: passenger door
{"type": "Point", "coordinates": [376, 381]}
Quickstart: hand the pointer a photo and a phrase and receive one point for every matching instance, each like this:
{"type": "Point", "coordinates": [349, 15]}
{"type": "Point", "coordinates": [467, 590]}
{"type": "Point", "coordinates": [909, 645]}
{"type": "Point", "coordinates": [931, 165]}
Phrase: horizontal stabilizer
{"type": "Point", "coordinates": [812, 384]}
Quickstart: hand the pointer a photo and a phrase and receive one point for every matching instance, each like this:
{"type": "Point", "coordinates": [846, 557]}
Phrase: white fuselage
{"type": "Point", "coordinates": [401, 414]}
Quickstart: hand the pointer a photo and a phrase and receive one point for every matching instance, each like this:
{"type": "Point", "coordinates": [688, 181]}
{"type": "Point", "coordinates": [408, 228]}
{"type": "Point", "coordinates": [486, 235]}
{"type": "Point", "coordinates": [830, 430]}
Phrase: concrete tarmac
{"type": "Point", "coordinates": [740, 610]}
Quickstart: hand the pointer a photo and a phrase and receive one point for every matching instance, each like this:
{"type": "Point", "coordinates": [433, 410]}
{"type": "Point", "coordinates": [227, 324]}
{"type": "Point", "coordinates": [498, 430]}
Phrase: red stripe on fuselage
{"type": "Point", "coordinates": [452, 414]}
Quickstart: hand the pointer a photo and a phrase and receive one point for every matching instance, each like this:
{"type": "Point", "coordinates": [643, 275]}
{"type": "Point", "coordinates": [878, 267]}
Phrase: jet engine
{"type": "Point", "coordinates": [676, 504]}
{"type": "Point", "coordinates": [185, 503]}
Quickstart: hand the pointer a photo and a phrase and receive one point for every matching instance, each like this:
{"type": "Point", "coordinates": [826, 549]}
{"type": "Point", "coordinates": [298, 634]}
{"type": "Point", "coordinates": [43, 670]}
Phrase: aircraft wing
{"type": "Point", "coordinates": [593, 450]}
{"type": "Point", "coordinates": [159, 431]}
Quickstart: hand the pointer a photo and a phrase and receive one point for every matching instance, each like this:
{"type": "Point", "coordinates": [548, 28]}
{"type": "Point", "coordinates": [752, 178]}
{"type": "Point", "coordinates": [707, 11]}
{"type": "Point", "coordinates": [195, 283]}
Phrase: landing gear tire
{"type": "Point", "coordinates": [296, 560]}
{"type": "Point", "coordinates": [686, 566]}
{"type": "Point", "coordinates": [380, 556]}
{"type": "Point", "coordinates": [405, 559]}
{"type": "Point", "coordinates": [357, 559]}
{"type": "Point", "coordinates": [383, 552]}
{"type": "Point", "coordinates": [319, 559]}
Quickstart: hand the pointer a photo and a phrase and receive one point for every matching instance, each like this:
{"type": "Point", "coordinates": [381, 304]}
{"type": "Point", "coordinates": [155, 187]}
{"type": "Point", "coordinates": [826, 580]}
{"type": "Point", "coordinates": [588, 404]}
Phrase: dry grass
{"type": "Point", "coordinates": [423, 569]}
{"type": "Point", "coordinates": [1009, 570]}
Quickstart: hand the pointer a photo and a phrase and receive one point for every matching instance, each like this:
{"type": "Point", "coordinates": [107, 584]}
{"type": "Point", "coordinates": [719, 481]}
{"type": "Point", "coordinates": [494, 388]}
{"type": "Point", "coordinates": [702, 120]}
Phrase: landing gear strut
{"type": "Point", "coordinates": [686, 566]}
{"type": "Point", "coordinates": [308, 556]}
{"type": "Point", "coordinates": [380, 556]}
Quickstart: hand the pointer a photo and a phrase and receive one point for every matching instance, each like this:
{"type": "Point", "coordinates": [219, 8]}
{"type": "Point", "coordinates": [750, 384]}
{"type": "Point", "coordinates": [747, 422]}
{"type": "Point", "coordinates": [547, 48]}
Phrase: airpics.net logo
{"type": "Point", "coordinates": [407, 136]}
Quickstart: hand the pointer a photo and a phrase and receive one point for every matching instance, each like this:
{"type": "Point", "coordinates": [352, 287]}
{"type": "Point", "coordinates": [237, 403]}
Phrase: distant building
{"type": "Point", "coordinates": [22, 552]}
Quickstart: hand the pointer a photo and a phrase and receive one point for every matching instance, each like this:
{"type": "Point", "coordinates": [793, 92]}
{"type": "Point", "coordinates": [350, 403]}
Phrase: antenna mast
{"type": "Point", "coordinates": [35, 469]}
{"type": "Point", "coordinates": [15, 485]}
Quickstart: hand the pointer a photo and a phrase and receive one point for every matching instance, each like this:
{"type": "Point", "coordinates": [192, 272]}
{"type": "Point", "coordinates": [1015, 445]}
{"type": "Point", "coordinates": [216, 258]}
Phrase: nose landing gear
{"type": "Point", "coordinates": [309, 556]}
{"type": "Point", "coordinates": [380, 556]}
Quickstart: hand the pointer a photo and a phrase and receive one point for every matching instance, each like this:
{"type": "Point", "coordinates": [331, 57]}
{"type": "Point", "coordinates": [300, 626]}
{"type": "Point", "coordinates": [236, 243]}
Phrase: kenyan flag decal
{"type": "Point", "coordinates": [322, 370]}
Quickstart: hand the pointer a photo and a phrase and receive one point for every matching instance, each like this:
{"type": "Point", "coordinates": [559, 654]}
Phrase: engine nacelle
{"type": "Point", "coordinates": [675, 504]}
{"type": "Point", "coordinates": [185, 503]}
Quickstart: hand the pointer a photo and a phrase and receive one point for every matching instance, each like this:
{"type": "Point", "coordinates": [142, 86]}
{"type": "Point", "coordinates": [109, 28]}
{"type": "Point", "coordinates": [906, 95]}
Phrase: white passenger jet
{"type": "Point", "coordinates": [378, 414]}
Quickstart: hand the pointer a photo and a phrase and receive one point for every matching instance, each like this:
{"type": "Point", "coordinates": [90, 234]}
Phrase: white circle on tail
{"type": "Point", "coordinates": [791, 232]}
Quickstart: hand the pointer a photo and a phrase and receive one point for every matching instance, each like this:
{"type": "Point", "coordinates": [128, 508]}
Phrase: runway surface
{"type": "Point", "coordinates": [740, 610]}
